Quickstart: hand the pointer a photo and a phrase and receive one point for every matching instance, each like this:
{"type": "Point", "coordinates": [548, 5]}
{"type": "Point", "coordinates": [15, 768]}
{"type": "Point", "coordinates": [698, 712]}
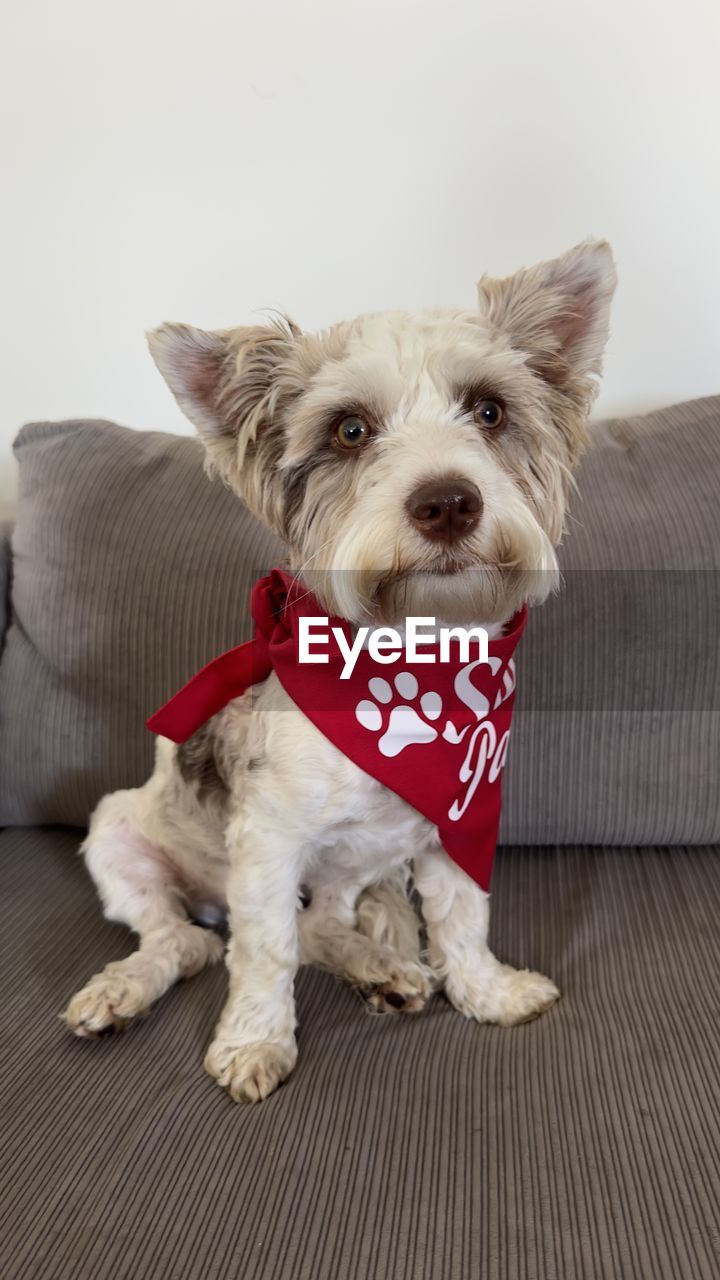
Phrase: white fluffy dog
{"type": "Point", "coordinates": [414, 464]}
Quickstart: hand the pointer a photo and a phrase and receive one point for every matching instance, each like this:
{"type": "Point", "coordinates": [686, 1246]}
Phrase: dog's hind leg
{"type": "Point", "coordinates": [138, 887]}
{"type": "Point", "coordinates": [385, 913]}
{"type": "Point", "coordinates": [374, 945]}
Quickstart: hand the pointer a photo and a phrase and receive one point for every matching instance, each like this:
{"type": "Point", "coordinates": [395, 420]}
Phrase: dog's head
{"type": "Point", "coordinates": [415, 464]}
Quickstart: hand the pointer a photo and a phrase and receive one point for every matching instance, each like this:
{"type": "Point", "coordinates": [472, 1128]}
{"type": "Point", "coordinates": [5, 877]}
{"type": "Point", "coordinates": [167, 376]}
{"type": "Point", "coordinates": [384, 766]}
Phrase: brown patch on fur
{"type": "Point", "coordinates": [294, 484]}
{"type": "Point", "coordinates": [471, 394]}
{"type": "Point", "coordinates": [267, 368]}
{"type": "Point", "coordinates": [253, 361]}
{"type": "Point", "coordinates": [199, 764]}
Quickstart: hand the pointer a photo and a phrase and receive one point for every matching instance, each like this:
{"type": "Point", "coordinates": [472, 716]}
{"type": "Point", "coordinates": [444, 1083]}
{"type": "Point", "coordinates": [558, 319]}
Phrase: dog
{"type": "Point", "coordinates": [414, 464]}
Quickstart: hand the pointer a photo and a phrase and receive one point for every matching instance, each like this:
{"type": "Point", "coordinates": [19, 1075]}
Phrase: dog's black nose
{"type": "Point", "coordinates": [445, 510]}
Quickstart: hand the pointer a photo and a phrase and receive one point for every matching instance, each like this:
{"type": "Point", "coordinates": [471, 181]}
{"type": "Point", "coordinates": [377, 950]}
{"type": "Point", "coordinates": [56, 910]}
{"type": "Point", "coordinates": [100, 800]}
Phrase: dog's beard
{"type": "Point", "coordinates": [471, 596]}
{"type": "Point", "coordinates": [470, 584]}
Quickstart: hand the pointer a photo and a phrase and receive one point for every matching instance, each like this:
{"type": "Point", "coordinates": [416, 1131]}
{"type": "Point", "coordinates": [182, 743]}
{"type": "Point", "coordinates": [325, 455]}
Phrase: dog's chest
{"type": "Point", "coordinates": [342, 813]}
{"type": "Point", "coordinates": [369, 832]}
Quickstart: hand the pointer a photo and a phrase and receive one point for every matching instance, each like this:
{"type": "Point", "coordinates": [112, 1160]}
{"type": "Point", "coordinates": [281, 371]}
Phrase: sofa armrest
{"type": "Point", "coordinates": [6, 528]}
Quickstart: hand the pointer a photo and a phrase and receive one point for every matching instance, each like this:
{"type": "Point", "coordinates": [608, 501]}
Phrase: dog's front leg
{"type": "Point", "coordinates": [254, 1047]}
{"type": "Point", "coordinates": [457, 916]}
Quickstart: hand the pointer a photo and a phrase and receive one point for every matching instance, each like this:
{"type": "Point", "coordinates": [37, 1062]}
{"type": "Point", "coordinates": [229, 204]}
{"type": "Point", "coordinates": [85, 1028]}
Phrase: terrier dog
{"type": "Point", "coordinates": [413, 464]}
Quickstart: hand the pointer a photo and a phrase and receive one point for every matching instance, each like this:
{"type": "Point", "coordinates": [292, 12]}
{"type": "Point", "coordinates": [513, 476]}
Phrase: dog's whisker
{"type": "Point", "coordinates": [299, 572]}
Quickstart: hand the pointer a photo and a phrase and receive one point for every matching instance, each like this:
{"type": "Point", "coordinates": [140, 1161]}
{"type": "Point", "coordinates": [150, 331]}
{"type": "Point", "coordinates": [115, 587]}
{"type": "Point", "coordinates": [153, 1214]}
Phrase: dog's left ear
{"type": "Point", "coordinates": [223, 380]}
{"type": "Point", "coordinates": [557, 313]}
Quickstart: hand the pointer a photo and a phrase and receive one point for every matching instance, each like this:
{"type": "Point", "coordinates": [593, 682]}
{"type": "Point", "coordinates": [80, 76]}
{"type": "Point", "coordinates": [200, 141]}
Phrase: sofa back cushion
{"type": "Point", "coordinates": [131, 570]}
{"type": "Point", "coordinates": [616, 735]}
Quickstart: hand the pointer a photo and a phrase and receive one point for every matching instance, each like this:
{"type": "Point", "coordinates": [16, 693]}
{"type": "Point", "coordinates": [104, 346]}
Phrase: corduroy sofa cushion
{"type": "Point", "coordinates": [582, 1146]}
{"type": "Point", "coordinates": [5, 569]}
{"type": "Point", "coordinates": [131, 569]}
{"type": "Point", "coordinates": [616, 735]}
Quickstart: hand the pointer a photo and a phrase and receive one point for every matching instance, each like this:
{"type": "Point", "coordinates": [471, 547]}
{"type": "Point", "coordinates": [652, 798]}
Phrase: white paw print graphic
{"type": "Point", "coordinates": [405, 726]}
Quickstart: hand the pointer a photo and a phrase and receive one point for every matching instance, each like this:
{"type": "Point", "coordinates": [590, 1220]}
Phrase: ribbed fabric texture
{"type": "Point", "coordinates": [5, 571]}
{"type": "Point", "coordinates": [131, 570]}
{"type": "Point", "coordinates": [616, 733]}
{"type": "Point", "coordinates": [583, 1146]}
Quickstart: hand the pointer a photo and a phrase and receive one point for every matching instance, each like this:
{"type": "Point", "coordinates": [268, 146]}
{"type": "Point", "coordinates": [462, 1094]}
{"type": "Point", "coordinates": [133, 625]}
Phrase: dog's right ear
{"type": "Point", "coordinates": [223, 380]}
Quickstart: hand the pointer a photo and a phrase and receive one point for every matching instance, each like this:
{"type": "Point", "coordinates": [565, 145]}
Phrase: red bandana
{"type": "Point", "coordinates": [436, 734]}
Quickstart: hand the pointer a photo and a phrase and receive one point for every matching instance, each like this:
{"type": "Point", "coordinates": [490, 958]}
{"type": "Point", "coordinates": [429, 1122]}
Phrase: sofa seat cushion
{"type": "Point", "coordinates": [580, 1145]}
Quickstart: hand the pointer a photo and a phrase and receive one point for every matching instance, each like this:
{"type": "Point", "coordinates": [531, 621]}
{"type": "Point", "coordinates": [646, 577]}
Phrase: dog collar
{"type": "Point", "coordinates": [435, 733]}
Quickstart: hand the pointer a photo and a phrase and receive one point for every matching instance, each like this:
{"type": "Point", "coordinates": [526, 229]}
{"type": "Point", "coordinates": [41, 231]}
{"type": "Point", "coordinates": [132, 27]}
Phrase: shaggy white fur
{"type": "Point", "coordinates": [329, 438]}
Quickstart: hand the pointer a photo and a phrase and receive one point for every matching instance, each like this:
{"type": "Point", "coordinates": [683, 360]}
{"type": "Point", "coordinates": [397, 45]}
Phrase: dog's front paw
{"type": "Point", "coordinates": [404, 989]}
{"type": "Point", "coordinates": [505, 995]}
{"type": "Point", "coordinates": [250, 1072]}
{"type": "Point", "coordinates": [109, 1001]}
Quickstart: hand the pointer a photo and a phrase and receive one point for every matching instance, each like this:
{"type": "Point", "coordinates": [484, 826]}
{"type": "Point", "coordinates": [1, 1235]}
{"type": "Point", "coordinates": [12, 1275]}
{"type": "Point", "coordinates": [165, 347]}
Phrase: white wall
{"type": "Point", "coordinates": [179, 159]}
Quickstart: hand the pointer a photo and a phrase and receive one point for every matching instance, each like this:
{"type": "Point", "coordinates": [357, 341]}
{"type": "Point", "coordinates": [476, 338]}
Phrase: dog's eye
{"type": "Point", "coordinates": [488, 413]}
{"type": "Point", "coordinates": [351, 432]}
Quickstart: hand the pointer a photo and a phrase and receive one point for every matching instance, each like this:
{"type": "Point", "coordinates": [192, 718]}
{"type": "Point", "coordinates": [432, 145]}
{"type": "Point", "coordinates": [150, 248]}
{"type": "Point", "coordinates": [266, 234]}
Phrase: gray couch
{"type": "Point", "coordinates": [583, 1145]}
